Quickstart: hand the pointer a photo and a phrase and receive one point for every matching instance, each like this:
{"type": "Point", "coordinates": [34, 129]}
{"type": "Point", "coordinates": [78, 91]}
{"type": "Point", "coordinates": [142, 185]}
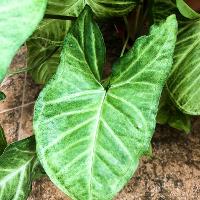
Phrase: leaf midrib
{"type": "Point", "coordinates": [94, 143]}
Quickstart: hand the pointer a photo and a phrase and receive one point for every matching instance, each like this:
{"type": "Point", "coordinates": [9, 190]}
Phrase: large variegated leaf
{"type": "Point", "coordinates": [184, 80]}
{"type": "Point", "coordinates": [3, 142]}
{"type": "Point", "coordinates": [17, 165]}
{"type": "Point", "coordinates": [102, 8]}
{"type": "Point", "coordinates": [44, 48]}
{"type": "Point", "coordinates": [90, 139]}
{"type": "Point", "coordinates": [18, 20]}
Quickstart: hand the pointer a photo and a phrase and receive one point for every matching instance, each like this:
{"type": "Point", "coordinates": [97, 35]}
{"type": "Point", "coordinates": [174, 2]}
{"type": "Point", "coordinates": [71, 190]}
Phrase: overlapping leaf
{"type": "Point", "coordinates": [17, 164]}
{"type": "Point", "coordinates": [18, 20]}
{"type": "Point", "coordinates": [102, 8]}
{"type": "Point", "coordinates": [3, 142]}
{"type": "Point", "coordinates": [169, 114]}
{"type": "Point", "coordinates": [183, 83]}
{"type": "Point", "coordinates": [186, 11]}
{"type": "Point", "coordinates": [90, 139]}
{"type": "Point", "coordinates": [44, 48]}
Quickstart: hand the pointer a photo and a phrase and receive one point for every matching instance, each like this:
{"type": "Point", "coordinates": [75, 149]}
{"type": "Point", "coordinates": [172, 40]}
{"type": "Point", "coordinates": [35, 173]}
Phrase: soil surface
{"type": "Point", "coordinates": [172, 173]}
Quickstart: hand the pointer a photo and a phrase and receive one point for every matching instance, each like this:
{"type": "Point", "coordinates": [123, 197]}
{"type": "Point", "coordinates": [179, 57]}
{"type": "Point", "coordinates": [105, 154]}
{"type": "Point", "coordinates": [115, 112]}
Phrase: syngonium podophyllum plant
{"type": "Point", "coordinates": [90, 133]}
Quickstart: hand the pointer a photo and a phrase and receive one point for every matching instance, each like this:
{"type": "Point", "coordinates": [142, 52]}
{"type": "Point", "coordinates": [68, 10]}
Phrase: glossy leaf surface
{"type": "Point", "coordinates": [44, 48]}
{"type": "Point", "coordinates": [102, 8]}
{"type": "Point", "coordinates": [184, 80]}
{"type": "Point", "coordinates": [16, 168]}
{"type": "Point", "coordinates": [3, 142]}
{"type": "Point", "coordinates": [18, 20]}
{"type": "Point", "coordinates": [90, 139]}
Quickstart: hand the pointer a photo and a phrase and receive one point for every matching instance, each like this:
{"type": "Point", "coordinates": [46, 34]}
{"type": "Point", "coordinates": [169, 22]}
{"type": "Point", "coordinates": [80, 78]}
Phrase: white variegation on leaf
{"type": "Point", "coordinates": [17, 164]}
{"type": "Point", "coordinates": [184, 80]}
{"type": "Point", "coordinates": [90, 139]}
{"type": "Point", "coordinates": [18, 20]}
{"type": "Point", "coordinates": [102, 8]}
{"type": "Point", "coordinates": [44, 48]}
{"type": "Point", "coordinates": [186, 10]}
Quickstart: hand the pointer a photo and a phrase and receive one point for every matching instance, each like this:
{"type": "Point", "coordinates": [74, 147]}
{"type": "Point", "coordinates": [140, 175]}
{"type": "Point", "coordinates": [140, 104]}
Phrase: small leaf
{"type": "Point", "coordinates": [18, 20]}
{"type": "Point", "coordinates": [17, 164]}
{"type": "Point", "coordinates": [186, 10]}
{"type": "Point", "coordinates": [102, 8]}
{"type": "Point", "coordinates": [169, 114]}
{"type": "Point", "coordinates": [44, 49]}
{"type": "Point", "coordinates": [184, 80]}
{"type": "Point", "coordinates": [90, 139]}
{"type": "Point", "coordinates": [2, 96]}
{"type": "Point", "coordinates": [3, 142]}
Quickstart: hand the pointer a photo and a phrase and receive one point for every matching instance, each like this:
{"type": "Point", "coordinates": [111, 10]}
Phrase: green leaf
{"type": "Point", "coordinates": [163, 9]}
{"type": "Point", "coordinates": [44, 49]}
{"type": "Point", "coordinates": [186, 10]}
{"type": "Point", "coordinates": [102, 8]}
{"type": "Point", "coordinates": [184, 80]}
{"type": "Point", "coordinates": [90, 139]}
{"type": "Point", "coordinates": [18, 20]}
{"type": "Point", "coordinates": [169, 114]}
{"type": "Point", "coordinates": [2, 96]}
{"type": "Point", "coordinates": [38, 172]}
{"type": "Point", "coordinates": [3, 142]}
{"type": "Point", "coordinates": [17, 165]}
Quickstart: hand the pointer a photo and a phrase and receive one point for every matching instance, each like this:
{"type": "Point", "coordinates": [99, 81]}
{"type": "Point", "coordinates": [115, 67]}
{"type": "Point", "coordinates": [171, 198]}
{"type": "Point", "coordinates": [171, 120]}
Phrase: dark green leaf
{"type": "Point", "coordinates": [3, 142]}
{"type": "Point", "coordinates": [38, 172]}
{"type": "Point", "coordinates": [18, 20]}
{"type": "Point", "coordinates": [17, 165]}
{"type": "Point", "coordinates": [90, 139]}
{"type": "Point", "coordinates": [186, 11]}
{"type": "Point", "coordinates": [102, 8]}
{"type": "Point", "coordinates": [2, 96]}
{"type": "Point", "coordinates": [44, 49]}
{"type": "Point", "coordinates": [184, 80]}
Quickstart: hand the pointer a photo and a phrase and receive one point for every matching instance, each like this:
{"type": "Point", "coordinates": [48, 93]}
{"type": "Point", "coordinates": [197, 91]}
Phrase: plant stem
{"type": "Point", "coordinates": [137, 17]}
{"type": "Point", "coordinates": [127, 38]}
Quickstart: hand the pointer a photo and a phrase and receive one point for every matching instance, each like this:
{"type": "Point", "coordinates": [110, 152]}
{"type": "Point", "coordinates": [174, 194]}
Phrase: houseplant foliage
{"type": "Point", "coordinates": [91, 133]}
{"type": "Point", "coordinates": [99, 133]}
{"type": "Point", "coordinates": [184, 80]}
{"type": "Point", "coordinates": [101, 8]}
{"type": "Point", "coordinates": [18, 164]}
{"type": "Point", "coordinates": [17, 23]}
{"type": "Point", "coordinates": [44, 48]}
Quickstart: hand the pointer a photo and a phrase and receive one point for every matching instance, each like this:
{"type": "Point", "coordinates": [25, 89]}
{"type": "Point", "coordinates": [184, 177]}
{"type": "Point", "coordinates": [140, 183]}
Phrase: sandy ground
{"type": "Point", "coordinates": [173, 173]}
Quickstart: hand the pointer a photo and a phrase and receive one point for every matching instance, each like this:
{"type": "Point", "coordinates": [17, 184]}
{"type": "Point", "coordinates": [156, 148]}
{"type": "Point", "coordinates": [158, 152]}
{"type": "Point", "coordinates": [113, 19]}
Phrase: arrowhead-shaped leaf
{"type": "Point", "coordinates": [90, 139]}
{"type": "Point", "coordinates": [18, 20]}
{"type": "Point", "coordinates": [102, 8]}
{"type": "Point", "coordinates": [3, 142]}
{"type": "Point", "coordinates": [44, 48]}
{"type": "Point", "coordinates": [17, 165]}
{"type": "Point", "coordinates": [184, 80]}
